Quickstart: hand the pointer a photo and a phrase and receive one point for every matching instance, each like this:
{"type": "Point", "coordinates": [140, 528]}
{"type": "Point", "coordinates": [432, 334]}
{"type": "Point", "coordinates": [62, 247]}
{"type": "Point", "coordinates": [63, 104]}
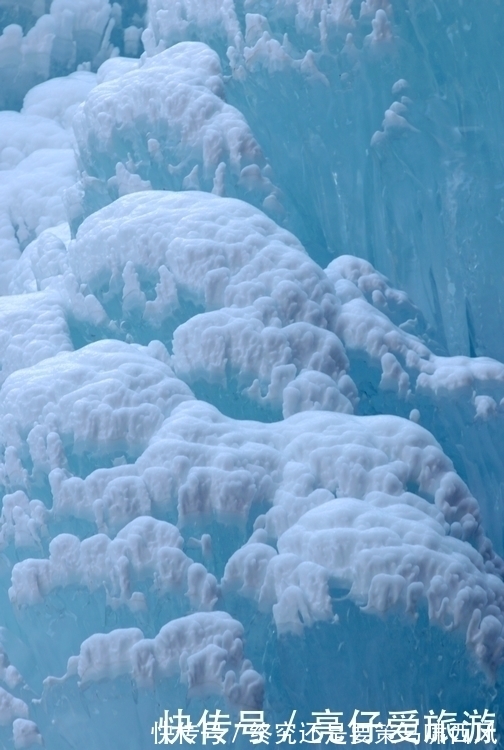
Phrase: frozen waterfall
{"type": "Point", "coordinates": [251, 379]}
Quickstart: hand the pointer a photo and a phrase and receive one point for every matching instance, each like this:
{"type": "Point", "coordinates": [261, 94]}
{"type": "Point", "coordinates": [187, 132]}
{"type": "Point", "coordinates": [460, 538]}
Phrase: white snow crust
{"type": "Point", "coordinates": [72, 33]}
{"type": "Point", "coordinates": [11, 708]}
{"type": "Point", "coordinates": [169, 112]}
{"type": "Point", "coordinates": [274, 316]}
{"type": "Point", "coordinates": [22, 134]}
{"type": "Point", "coordinates": [59, 98]}
{"type": "Point", "coordinates": [107, 439]}
{"type": "Point", "coordinates": [374, 321]}
{"type": "Point", "coordinates": [388, 546]}
{"type": "Point", "coordinates": [104, 396]}
{"type": "Point", "coordinates": [205, 649]}
{"type": "Point", "coordinates": [276, 308]}
{"type": "Point", "coordinates": [169, 23]}
{"type": "Point", "coordinates": [25, 734]}
{"type": "Point", "coordinates": [144, 548]}
{"type": "Point", "coordinates": [31, 329]}
{"type": "Point", "coordinates": [31, 200]}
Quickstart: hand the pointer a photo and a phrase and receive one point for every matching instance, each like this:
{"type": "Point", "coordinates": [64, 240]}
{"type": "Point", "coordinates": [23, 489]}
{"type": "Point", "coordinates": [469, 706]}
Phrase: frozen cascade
{"type": "Point", "coordinates": [384, 153]}
{"type": "Point", "coordinates": [251, 379]}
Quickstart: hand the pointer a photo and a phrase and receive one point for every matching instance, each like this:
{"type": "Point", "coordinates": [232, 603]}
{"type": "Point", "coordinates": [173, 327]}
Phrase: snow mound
{"type": "Point", "coordinates": [269, 310]}
{"type": "Point", "coordinates": [107, 396]}
{"type": "Point", "coordinates": [31, 329]}
{"type": "Point", "coordinates": [144, 548]}
{"type": "Point", "coordinates": [165, 123]}
{"type": "Point", "coordinates": [205, 649]}
{"type": "Point", "coordinates": [59, 98]}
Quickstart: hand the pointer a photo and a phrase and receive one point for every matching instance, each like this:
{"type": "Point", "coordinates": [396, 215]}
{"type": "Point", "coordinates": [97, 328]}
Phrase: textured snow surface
{"type": "Point", "coordinates": [70, 34]}
{"type": "Point", "coordinates": [58, 98]}
{"type": "Point", "coordinates": [31, 194]}
{"type": "Point", "coordinates": [206, 649]}
{"type": "Point", "coordinates": [164, 123]}
{"type": "Point", "coordinates": [170, 23]}
{"type": "Point", "coordinates": [21, 135]}
{"type": "Point", "coordinates": [241, 467]}
{"type": "Point", "coordinates": [375, 333]}
{"type": "Point", "coordinates": [106, 395]}
{"type": "Point", "coordinates": [266, 309]}
{"type": "Point", "coordinates": [146, 547]}
{"type": "Point", "coordinates": [32, 329]}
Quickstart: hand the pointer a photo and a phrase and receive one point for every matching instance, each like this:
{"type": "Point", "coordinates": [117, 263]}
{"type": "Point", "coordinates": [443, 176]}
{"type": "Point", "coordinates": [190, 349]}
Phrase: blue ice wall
{"type": "Point", "coordinates": [251, 379]}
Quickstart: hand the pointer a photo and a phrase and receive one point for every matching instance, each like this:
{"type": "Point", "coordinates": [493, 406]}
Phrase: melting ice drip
{"type": "Point", "coordinates": [232, 478]}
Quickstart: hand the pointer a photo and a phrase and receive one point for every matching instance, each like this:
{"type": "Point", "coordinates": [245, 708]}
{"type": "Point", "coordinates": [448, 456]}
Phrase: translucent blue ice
{"type": "Point", "coordinates": [251, 379]}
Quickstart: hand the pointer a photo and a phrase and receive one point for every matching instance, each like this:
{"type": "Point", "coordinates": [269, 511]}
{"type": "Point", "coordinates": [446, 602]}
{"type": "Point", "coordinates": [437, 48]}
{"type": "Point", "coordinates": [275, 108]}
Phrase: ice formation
{"type": "Point", "coordinates": [200, 646]}
{"type": "Point", "coordinates": [164, 123]}
{"type": "Point", "coordinates": [249, 457]}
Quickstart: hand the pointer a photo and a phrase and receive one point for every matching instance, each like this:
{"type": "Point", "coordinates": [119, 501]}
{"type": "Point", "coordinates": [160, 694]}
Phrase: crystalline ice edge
{"type": "Point", "coordinates": [251, 379]}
